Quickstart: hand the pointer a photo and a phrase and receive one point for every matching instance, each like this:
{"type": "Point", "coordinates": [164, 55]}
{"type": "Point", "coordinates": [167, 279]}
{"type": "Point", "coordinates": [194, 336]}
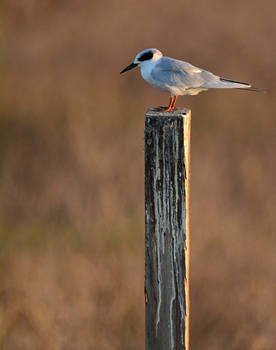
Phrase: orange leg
{"type": "Point", "coordinates": [171, 105]}
{"type": "Point", "coordinates": [174, 101]}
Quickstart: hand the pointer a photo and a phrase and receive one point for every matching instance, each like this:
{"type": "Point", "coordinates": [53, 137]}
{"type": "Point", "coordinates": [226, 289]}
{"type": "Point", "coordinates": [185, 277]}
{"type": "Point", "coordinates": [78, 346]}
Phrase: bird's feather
{"type": "Point", "coordinates": [247, 86]}
{"type": "Point", "coordinates": [171, 72]}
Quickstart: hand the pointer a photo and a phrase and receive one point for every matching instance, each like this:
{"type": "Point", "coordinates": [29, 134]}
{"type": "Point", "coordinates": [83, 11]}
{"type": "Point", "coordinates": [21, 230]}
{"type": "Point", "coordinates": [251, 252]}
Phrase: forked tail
{"type": "Point", "coordinates": [243, 86]}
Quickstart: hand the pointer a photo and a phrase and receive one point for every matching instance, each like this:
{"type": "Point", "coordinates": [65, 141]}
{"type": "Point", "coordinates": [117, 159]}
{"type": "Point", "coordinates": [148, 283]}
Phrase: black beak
{"type": "Point", "coordinates": [131, 66]}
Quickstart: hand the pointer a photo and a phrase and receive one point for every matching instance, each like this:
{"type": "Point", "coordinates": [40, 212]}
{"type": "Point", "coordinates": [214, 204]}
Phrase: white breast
{"type": "Point", "coordinates": [146, 69]}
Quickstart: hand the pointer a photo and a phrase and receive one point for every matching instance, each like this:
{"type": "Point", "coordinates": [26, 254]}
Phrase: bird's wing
{"type": "Point", "coordinates": [174, 72]}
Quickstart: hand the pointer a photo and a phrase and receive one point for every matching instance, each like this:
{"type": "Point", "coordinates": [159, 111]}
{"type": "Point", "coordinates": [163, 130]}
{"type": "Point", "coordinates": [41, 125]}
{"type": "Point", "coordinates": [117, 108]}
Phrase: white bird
{"type": "Point", "coordinates": [179, 77]}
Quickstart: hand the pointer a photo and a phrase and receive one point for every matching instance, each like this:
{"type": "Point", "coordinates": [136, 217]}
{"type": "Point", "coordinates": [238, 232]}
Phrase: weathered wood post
{"type": "Point", "coordinates": [167, 171]}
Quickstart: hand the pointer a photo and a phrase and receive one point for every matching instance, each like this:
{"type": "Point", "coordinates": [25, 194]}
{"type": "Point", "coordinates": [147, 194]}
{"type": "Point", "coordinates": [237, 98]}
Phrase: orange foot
{"type": "Point", "coordinates": [171, 105]}
{"type": "Point", "coordinates": [165, 109]}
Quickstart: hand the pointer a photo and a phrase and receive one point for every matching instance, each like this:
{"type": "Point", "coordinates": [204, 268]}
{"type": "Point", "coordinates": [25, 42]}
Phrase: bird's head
{"type": "Point", "coordinates": [144, 58]}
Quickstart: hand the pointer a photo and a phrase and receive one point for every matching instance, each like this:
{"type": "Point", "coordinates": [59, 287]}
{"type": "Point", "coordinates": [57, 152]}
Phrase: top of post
{"type": "Point", "coordinates": [156, 112]}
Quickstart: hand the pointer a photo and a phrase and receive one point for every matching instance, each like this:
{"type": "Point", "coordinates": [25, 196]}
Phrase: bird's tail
{"type": "Point", "coordinates": [254, 88]}
{"type": "Point", "coordinates": [242, 86]}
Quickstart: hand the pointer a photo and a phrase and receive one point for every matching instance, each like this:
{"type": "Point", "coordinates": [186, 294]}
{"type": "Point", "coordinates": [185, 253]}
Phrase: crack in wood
{"type": "Point", "coordinates": [166, 242]}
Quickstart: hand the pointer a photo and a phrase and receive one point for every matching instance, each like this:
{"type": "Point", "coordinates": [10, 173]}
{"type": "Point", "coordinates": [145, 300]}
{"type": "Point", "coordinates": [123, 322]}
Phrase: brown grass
{"type": "Point", "coordinates": [71, 150]}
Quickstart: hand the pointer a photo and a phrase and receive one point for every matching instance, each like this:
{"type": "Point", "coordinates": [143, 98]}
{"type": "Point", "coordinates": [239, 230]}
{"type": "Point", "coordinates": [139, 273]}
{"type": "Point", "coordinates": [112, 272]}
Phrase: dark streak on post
{"type": "Point", "coordinates": [166, 217]}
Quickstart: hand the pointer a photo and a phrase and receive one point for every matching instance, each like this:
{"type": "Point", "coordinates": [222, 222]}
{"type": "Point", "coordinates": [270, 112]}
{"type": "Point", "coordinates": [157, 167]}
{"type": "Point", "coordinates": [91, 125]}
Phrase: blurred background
{"type": "Point", "coordinates": [71, 168]}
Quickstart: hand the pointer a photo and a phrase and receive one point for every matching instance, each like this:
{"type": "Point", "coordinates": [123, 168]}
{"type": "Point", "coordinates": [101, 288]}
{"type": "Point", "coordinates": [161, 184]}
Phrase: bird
{"type": "Point", "coordinates": [179, 77]}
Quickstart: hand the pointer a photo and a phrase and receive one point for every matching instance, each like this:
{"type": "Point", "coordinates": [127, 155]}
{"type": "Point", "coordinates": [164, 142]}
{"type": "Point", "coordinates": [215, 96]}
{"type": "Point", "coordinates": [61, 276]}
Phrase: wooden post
{"type": "Point", "coordinates": [167, 172]}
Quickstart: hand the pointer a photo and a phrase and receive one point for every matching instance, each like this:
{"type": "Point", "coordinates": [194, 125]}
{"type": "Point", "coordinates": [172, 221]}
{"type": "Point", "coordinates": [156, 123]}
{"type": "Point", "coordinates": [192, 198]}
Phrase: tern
{"type": "Point", "coordinates": [179, 77]}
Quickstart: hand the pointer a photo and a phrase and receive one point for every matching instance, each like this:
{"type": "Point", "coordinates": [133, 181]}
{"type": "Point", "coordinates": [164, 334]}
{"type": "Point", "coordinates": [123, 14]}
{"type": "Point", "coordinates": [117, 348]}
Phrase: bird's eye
{"type": "Point", "coordinates": [146, 56]}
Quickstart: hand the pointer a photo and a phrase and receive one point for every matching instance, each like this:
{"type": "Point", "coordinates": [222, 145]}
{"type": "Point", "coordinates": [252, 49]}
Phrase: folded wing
{"type": "Point", "coordinates": [183, 74]}
{"type": "Point", "coordinates": [174, 72]}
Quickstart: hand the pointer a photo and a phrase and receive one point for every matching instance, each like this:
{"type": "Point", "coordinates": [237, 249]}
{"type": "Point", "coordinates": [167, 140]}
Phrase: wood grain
{"type": "Point", "coordinates": [167, 225]}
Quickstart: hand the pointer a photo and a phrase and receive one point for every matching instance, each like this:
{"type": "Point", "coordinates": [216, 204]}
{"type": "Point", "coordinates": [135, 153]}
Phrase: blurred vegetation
{"type": "Point", "coordinates": [71, 151]}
